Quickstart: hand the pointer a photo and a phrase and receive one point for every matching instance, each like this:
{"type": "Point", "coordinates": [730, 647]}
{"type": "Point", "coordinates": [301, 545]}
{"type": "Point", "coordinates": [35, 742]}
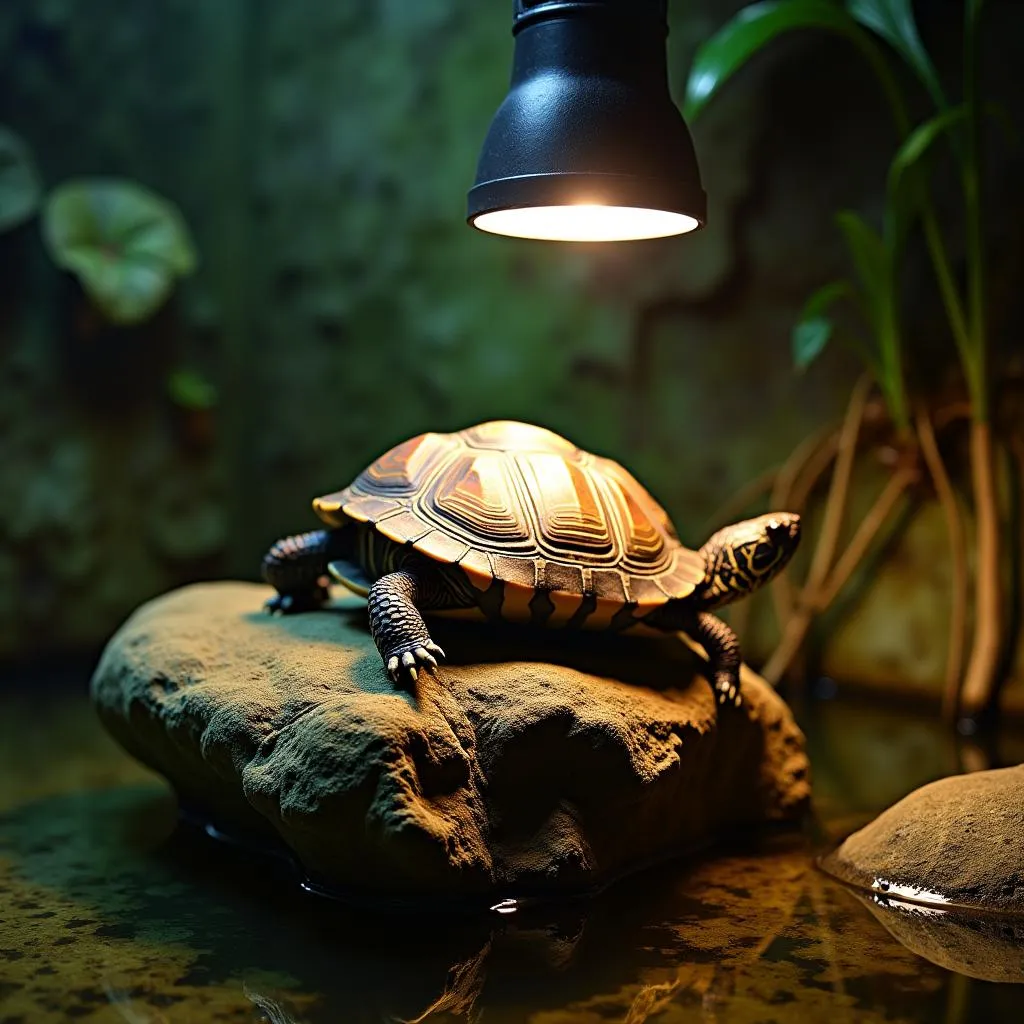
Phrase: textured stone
{"type": "Point", "coordinates": [505, 772]}
{"type": "Point", "coordinates": [958, 841]}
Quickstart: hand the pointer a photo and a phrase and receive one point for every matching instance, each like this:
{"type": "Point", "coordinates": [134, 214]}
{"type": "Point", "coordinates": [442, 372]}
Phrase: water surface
{"type": "Point", "coordinates": [109, 911]}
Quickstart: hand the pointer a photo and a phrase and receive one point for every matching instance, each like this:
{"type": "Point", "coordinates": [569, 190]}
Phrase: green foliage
{"type": "Point", "coordinates": [747, 34]}
{"type": "Point", "coordinates": [189, 389]}
{"type": "Point", "coordinates": [876, 256]}
{"type": "Point", "coordinates": [19, 181]}
{"type": "Point", "coordinates": [907, 182]}
{"type": "Point", "coordinates": [815, 329]}
{"type": "Point", "coordinates": [810, 336]}
{"type": "Point", "coordinates": [870, 259]}
{"type": "Point", "coordinates": [893, 20]}
{"type": "Point", "coordinates": [124, 243]}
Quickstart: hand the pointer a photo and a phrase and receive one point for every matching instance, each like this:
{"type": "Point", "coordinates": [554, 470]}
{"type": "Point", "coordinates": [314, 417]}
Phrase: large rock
{"type": "Point", "coordinates": [958, 841]}
{"type": "Point", "coordinates": [532, 762]}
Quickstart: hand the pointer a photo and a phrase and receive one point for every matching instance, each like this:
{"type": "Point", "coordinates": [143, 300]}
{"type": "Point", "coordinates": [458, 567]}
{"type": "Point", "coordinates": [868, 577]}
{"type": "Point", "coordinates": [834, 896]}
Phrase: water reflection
{"type": "Point", "coordinates": [987, 947]}
{"type": "Point", "coordinates": [110, 909]}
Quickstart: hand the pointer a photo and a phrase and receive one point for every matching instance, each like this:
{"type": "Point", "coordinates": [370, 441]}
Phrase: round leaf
{"type": "Point", "coordinates": [19, 181]}
{"type": "Point", "coordinates": [124, 243]}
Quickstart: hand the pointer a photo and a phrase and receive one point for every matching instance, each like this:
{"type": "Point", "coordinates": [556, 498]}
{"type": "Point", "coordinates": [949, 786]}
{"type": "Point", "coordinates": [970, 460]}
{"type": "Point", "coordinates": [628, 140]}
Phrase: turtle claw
{"type": "Point", "coordinates": [727, 692]}
{"type": "Point", "coordinates": [406, 665]}
{"type": "Point", "coordinates": [298, 601]}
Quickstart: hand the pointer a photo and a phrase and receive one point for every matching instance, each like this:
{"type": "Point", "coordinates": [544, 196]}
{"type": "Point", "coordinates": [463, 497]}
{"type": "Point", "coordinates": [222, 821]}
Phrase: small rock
{"type": "Point", "coordinates": [532, 762]}
{"type": "Point", "coordinates": [957, 841]}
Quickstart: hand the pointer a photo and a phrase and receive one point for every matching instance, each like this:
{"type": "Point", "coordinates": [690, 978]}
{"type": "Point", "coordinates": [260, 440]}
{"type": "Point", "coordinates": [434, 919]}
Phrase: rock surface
{"type": "Point", "coordinates": [959, 840]}
{"type": "Point", "coordinates": [513, 770]}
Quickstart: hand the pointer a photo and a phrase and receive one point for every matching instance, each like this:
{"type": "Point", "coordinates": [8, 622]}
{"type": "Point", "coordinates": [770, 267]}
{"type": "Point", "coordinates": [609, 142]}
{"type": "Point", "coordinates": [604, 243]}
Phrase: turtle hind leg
{"type": "Point", "coordinates": [723, 651]}
{"type": "Point", "coordinates": [296, 567]}
{"type": "Point", "coordinates": [397, 627]}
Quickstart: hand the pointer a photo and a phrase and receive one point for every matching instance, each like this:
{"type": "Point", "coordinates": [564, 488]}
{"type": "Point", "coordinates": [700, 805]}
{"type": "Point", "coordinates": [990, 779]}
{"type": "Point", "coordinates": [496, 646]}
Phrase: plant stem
{"type": "Point", "coordinates": [947, 286]}
{"type": "Point", "coordinates": [835, 506]}
{"type": "Point", "coordinates": [892, 380]}
{"type": "Point", "coordinates": [806, 456]}
{"type": "Point", "coordinates": [862, 540]}
{"type": "Point", "coordinates": [958, 561]}
{"type": "Point", "coordinates": [880, 66]}
{"type": "Point", "coordinates": [980, 679]}
{"type": "Point", "coordinates": [824, 551]}
{"type": "Point", "coordinates": [812, 472]}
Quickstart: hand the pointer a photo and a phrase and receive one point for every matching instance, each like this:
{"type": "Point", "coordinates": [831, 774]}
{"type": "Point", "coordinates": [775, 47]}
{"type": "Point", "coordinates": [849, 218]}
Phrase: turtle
{"type": "Point", "coordinates": [507, 521]}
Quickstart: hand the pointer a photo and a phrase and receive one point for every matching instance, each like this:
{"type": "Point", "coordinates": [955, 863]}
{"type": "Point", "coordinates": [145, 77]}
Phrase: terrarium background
{"type": "Point", "coordinates": [321, 153]}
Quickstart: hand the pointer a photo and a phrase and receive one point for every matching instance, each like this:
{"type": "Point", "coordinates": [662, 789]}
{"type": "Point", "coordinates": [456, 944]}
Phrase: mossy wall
{"type": "Point", "coordinates": [321, 153]}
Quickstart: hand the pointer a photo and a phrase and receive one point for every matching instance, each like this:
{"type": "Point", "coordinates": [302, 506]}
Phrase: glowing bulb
{"type": "Point", "coordinates": [585, 222]}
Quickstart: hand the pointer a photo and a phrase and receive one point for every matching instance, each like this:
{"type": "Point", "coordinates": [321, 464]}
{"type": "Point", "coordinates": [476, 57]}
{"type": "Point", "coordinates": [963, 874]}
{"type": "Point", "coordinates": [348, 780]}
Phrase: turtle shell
{"type": "Point", "coordinates": [517, 503]}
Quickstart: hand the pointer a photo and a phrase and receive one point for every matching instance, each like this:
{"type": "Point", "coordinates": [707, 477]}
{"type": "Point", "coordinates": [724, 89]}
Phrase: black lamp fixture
{"type": "Point", "coordinates": [588, 145]}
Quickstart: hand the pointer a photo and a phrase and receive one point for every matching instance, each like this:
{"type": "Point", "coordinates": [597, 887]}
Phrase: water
{"type": "Point", "coordinates": [109, 911]}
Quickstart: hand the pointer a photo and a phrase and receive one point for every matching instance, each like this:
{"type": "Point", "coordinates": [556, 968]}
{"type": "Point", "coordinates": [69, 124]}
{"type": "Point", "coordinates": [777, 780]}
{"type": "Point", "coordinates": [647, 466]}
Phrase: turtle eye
{"type": "Point", "coordinates": [765, 556]}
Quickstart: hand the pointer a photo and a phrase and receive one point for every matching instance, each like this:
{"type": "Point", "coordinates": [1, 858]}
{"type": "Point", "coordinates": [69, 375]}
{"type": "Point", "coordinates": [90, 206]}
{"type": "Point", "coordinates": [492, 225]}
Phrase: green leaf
{"type": "Point", "coordinates": [894, 21]}
{"type": "Point", "coordinates": [749, 32]}
{"type": "Point", "coordinates": [905, 180]}
{"type": "Point", "coordinates": [809, 340]}
{"type": "Point", "coordinates": [19, 181]}
{"type": "Point", "coordinates": [191, 390]}
{"type": "Point", "coordinates": [814, 329]}
{"type": "Point", "coordinates": [870, 259]}
{"type": "Point", "coordinates": [125, 244]}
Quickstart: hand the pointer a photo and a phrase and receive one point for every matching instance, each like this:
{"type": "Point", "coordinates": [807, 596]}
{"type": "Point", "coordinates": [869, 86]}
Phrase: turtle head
{"type": "Point", "coordinates": [739, 558]}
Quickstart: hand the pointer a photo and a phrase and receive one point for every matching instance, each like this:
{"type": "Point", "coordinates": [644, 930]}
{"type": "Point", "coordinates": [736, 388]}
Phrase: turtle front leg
{"type": "Point", "coordinates": [296, 567]}
{"type": "Point", "coordinates": [723, 651]}
{"type": "Point", "coordinates": [397, 627]}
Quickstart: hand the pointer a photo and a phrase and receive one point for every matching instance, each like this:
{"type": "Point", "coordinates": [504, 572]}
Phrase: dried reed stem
{"type": "Point", "coordinates": [799, 622]}
{"type": "Point", "coordinates": [958, 560]}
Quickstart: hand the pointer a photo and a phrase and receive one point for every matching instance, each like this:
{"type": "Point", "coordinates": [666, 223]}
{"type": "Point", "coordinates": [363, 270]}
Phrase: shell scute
{"type": "Point", "coordinates": [369, 509]}
{"type": "Point", "coordinates": [477, 567]}
{"type": "Point", "coordinates": [571, 517]}
{"type": "Point", "coordinates": [561, 577]}
{"type": "Point", "coordinates": [609, 584]}
{"type": "Point", "coordinates": [404, 528]}
{"type": "Point", "coordinates": [519, 571]}
{"type": "Point", "coordinates": [405, 468]}
{"type": "Point", "coordinates": [645, 592]}
{"type": "Point", "coordinates": [442, 546]}
{"type": "Point", "coordinates": [475, 496]}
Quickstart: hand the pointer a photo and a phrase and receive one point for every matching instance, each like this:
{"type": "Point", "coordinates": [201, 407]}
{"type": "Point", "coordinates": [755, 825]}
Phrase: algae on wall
{"type": "Point", "coordinates": [102, 505]}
